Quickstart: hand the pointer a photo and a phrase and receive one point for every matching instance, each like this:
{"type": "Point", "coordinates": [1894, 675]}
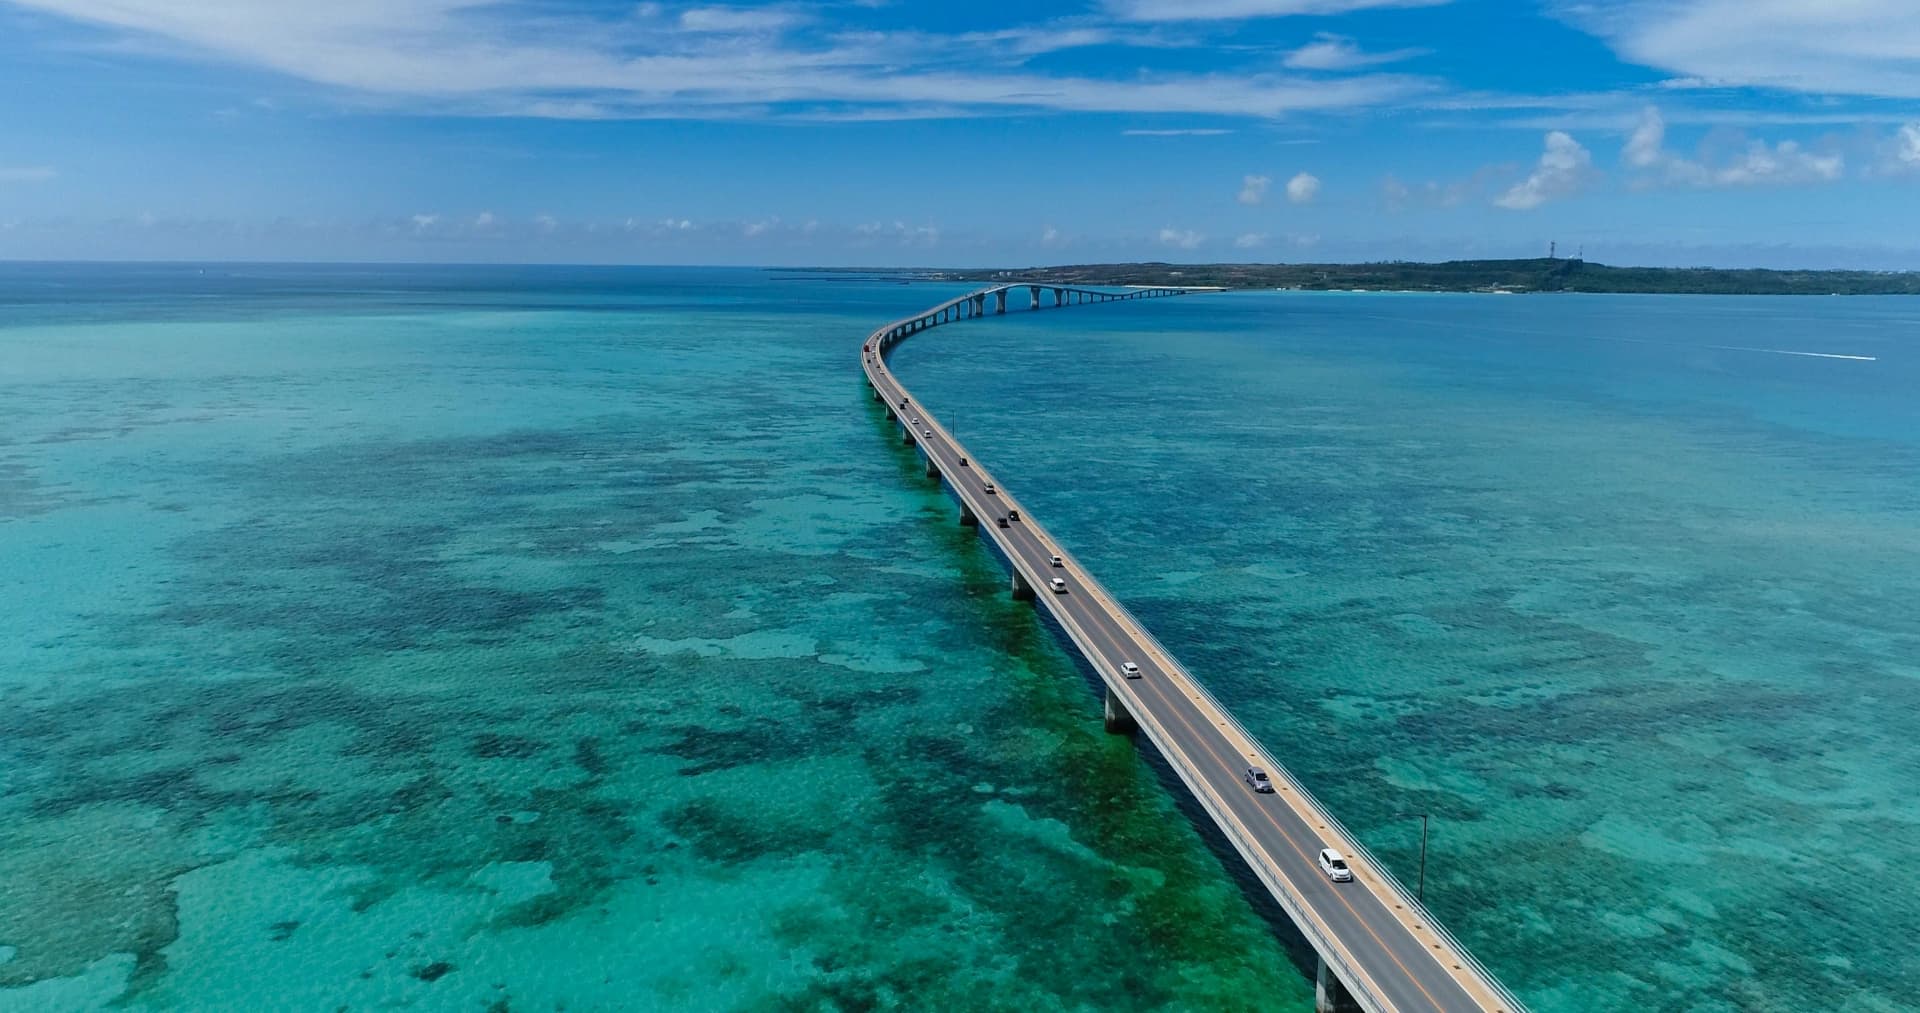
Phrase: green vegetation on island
{"type": "Point", "coordinates": [1537, 275]}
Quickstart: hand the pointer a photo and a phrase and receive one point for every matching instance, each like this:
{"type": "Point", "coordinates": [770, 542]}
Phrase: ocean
{"type": "Point", "coordinates": [539, 638]}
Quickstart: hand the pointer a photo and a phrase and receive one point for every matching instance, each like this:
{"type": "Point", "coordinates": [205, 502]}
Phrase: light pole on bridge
{"type": "Point", "coordinates": [1421, 890]}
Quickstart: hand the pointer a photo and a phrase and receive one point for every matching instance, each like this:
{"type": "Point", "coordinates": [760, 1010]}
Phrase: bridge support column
{"type": "Point", "coordinates": [892, 416]}
{"type": "Point", "coordinates": [933, 470]}
{"type": "Point", "coordinates": [1021, 589]}
{"type": "Point", "coordinates": [1329, 995]}
{"type": "Point", "coordinates": [1033, 293]}
{"type": "Point", "coordinates": [876, 395]}
{"type": "Point", "coordinates": [1119, 722]}
{"type": "Point", "coordinates": [906, 436]}
{"type": "Point", "coordinates": [967, 519]}
{"type": "Point", "coordinates": [1059, 297]}
{"type": "Point", "coordinates": [1000, 301]}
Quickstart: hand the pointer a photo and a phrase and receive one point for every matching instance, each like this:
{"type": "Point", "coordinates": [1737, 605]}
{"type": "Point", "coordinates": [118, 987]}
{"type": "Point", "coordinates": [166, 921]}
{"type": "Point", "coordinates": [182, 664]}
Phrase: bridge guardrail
{"type": "Point", "coordinates": [1412, 904]}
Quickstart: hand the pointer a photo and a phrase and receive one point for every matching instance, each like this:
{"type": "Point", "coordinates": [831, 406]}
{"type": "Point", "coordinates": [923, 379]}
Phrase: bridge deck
{"type": "Point", "coordinates": [1380, 942]}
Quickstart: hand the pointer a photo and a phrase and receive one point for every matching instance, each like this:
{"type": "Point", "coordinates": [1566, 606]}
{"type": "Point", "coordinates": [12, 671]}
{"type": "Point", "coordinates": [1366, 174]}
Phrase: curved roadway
{"type": "Point", "coordinates": [1372, 935]}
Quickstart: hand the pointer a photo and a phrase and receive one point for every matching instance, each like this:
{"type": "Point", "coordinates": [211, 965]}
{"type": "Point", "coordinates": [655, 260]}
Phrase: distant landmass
{"type": "Point", "coordinates": [1538, 275]}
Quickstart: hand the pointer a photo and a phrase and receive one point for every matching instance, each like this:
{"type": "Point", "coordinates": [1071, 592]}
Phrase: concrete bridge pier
{"type": "Point", "coordinates": [892, 416]}
{"type": "Point", "coordinates": [1119, 721]}
{"type": "Point", "coordinates": [1059, 297]}
{"type": "Point", "coordinates": [1000, 301]}
{"type": "Point", "coordinates": [1033, 293]}
{"type": "Point", "coordinates": [876, 395]}
{"type": "Point", "coordinates": [933, 470]}
{"type": "Point", "coordinates": [979, 306]}
{"type": "Point", "coordinates": [967, 519]}
{"type": "Point", "coordinates": [1021, 589]}
{"type": "Point", "coordinates": [1329, 995]}
{"type": "Point", "coordinates": [906, 436]}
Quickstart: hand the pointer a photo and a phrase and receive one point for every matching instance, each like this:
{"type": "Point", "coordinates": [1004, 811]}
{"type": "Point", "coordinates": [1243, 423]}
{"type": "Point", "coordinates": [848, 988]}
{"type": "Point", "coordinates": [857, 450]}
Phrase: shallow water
{"type": "Point", "coordinates": [538, 640]}
{"type": "Point", "coordinates": [479, 637]}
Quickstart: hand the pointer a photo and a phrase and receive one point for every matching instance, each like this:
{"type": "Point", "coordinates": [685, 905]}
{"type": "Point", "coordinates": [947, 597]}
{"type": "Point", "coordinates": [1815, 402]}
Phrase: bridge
{"type": "Point", "coordinates": [1379, 949]}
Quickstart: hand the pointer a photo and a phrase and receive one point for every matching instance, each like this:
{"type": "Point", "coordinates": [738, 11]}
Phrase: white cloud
{"type": "Point", "coordinates": [422, 223]}
{"type": "Point", "coordinates": [1328, 51]}
{"type": "Point", "coordinates": [1303, 188]}
{"type": "Point", "coordinates": [1564, 167]}
{"type": "Point", "coordinates": [485, 220]}
{"type": "Point", "coordinates": [1785, 162]}
{"type": "Point", "coordinates": [1644, 147]}
{"type": "Point", "coordinates": [1758, 163]}
{"type": "Point", "coordinates": [1905, 155]}
{"type": "Point", "coordinates": [1051, 238]}
{"type": "Point", "coordinates": [1250, 241]}
{"type": "Point", "coordinates": [1223, 10]}
{"type": "Point", "coordinates": [566, 61]}
{"type": "Point", "coordinates": [26, 174]}
{"type": "Point", "coordinates": [738, 19]}
{"type": "Point", "coordinates": [1253, 189]}
{"type": "Point", "coordinates": [1854, 47]}
{"type": "Point", "coordinates": [1185, 132]}
{"type": "Point", "coordinates": [1185, 239]}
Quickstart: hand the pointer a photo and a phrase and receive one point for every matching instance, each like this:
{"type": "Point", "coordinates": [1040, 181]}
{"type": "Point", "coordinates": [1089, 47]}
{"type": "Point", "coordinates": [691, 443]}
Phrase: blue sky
{"type": "Point", "coordinates": [1729, 132]}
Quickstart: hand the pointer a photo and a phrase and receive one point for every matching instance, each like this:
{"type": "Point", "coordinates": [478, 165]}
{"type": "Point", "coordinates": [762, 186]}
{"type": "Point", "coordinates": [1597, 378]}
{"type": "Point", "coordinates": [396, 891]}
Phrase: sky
{"type": "Point", "coordinates": [1775, 133]}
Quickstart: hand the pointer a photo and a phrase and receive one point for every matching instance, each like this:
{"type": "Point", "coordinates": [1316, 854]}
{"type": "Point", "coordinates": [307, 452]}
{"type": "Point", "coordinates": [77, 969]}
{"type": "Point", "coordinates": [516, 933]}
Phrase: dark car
{"type": "Point", "coordinates": [1002, 521]}
{"type": "Point", "coordinates": [1257, 780]}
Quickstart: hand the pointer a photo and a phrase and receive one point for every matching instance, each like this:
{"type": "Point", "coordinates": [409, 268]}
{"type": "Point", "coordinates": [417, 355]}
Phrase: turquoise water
{"type": "Point", "coordinates": [537, 640]}
{"type": "Point", "coordinates": [1630, 616]}
{"type": "Point", "coordinates": [533, 639]}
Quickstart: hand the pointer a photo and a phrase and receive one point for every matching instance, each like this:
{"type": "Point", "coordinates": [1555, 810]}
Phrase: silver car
{"type": "Point", "coordinates": [1256, 779]}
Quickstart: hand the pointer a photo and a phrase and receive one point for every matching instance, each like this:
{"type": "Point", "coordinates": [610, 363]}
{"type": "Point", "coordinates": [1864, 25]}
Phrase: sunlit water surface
{"type": "Point", "coordinates": [534, 639]}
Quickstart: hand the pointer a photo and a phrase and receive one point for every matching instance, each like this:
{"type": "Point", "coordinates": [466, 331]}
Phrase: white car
{"type": "Point", "coordinates": [916, 420]}
{"type": "Point", "coordinates": [928, 433]}
{"type": "Point", "coordinates": [1334, 864]}
{"type": "Point", "coordinates": [1130, 670]}
{"type": "Point", "coordinates": [1059, 586]}
{"type": "Point", "coordinates": [1057, 561]}
{"type": "Point", "coordinates": [989, 489]}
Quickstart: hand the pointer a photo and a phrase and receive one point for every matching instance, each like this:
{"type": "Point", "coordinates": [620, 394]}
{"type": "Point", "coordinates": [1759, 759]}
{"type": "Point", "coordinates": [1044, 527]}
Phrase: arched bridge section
{"type": "Point", "coordinates": [1380, 949]}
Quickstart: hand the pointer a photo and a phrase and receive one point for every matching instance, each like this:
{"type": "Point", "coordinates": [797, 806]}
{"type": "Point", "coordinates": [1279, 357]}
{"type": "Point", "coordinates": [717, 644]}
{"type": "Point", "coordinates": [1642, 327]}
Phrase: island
{"type": "Point", "coordinates": [1546, 274]}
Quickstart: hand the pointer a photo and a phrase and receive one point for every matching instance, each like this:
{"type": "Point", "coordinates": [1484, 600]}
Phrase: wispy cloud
{"type": "Point", "coordinates": [1847, 47]}
{"type": "Point", "coordinates": [1754, 164]}
{"type": "Point", "coordinates": [26, 174]}
{"type": "Point", "coordinates": [1181, 132]}
{"type": "Point", "coordinates": [1564, 168]}
{"type": "Point", "coordinates": [1253, 190]}
{"type": "Point", "coordinates": [1337, 52]}
{"type": "Point", "coordinates": [1303, 188]}
{"type": "Point", "coordinates": [1228, 10]}
{"type": "Point", "coordinates": [1184, 239]}
{"type": "Point", "coordinates": [520, 58]}
{"type": "Point", "coordinates": [1250, 241]}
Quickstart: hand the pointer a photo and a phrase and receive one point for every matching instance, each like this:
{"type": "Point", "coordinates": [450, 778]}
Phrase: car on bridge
{"type": "Point", "coordinates": [1257, 779]}
{"type": "Point", "coordinates": [1059, 586]}
{"type": "Point", "coordinates": [989, 489]}
{"type": "Point", "coordinates": [1057, 561]}
{"type": "Point", "coordinates": [928, 433]}
{"type": "Point", "coordinates": [1334, 864]}
{"type": "Point", "coordinates": [1130, 670]}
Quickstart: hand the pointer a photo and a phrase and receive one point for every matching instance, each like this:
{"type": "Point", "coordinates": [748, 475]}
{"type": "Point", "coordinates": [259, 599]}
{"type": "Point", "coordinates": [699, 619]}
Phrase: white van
{"type": "Point", "coordinates": [1059, 586]}
{"type": "Point", "coordinates": [1334, 864]}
